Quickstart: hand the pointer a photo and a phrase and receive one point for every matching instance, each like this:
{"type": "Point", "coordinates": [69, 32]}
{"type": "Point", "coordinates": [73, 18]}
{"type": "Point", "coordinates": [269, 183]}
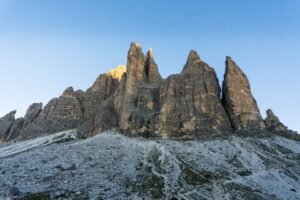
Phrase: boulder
{"type": "Point", "coordinates": [238, 100]}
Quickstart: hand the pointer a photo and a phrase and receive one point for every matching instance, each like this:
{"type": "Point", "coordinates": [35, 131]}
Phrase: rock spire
{"type": "Point", "coordinates": [137, 101]}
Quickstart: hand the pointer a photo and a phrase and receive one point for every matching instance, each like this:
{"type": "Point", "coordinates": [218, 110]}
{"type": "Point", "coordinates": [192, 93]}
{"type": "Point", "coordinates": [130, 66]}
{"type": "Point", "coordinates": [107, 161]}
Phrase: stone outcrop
{"type": "Point", "coordinates": [6, 123]}
{"type": "Point", "coordinates": [238, 100]}
{"type": "Point", "coordinates": [136, 100]}
{"type": "Point", "coordinates": [273, 123]}
{"type": "Point", "coordinates": [15, 129]}
{"type": "Point", "coordinates": [32, 113]}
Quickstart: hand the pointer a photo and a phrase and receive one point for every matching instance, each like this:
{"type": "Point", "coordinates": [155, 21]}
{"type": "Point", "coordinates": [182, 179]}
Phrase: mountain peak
{"type": "Point", "coordinates": [192, 58]}
{"type": "Point", "coordinates": [138, 101]}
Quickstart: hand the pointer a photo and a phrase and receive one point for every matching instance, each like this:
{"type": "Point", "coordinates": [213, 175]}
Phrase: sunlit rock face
{"type": "Point", "coordinates": [238, 100]}
{"type": "Point", "coordinates": [117, 72]}
{"type": "Point", "coordinates": [137, 101]}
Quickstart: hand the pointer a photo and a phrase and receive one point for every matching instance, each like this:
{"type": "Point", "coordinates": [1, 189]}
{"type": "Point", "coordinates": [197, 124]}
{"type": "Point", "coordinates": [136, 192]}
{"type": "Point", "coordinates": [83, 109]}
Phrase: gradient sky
{"type": "Point", "coordinates": [48, 45]}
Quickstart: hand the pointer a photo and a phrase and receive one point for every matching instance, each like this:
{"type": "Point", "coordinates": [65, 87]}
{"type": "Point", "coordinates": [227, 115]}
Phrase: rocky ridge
{"type": "Point", "coordinates": [137, 101]}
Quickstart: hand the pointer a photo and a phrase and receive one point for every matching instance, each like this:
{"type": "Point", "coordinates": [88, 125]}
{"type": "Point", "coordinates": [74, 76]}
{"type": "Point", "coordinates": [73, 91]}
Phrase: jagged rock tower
{"type": "Point", "coordinates": [137, 101]}
{"type": "Point", "coordinates": [238, 100]}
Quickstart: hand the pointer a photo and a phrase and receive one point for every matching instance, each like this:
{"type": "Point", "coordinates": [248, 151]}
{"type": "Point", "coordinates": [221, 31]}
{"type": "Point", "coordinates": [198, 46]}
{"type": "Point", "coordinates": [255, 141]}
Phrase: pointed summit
{"type": "Point", "coordinates": [193, 55]}
{"type": "Point", "coordinates": [135, 51]}
{"type": "Point", "coordinates": [273, 123]}
{"type": "Point", "coordinates": [151, 68]}
{"type": "Point", "coordinates": [135, 63]}
{"type": "Point", "coordinates": [150, 53]}
{"type": "Point", "coordinates": [69, 92]}
{"type": "Point", "coordinates": [238, 99]}
{"type": "Point", "coordinates": [193, 58]}
{"type": "Point", "coordinates": [6, 123]}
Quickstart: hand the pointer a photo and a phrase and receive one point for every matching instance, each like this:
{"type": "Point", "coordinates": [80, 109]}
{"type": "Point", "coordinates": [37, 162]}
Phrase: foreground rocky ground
{"type": "Point", "coordinates": [113, 166]}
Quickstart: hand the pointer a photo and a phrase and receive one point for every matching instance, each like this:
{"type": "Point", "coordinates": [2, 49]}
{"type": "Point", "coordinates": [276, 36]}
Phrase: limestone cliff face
{"type": "Point", "coordinates": [140, 101]}
{"type": "Point", "coordinates": [190, 103]}
{"type": "Point", "coordinates": [6, 123]}
{"type": "Point", "coordinates": [238, 100]}
{"type": "Point", "coordinates": [136, 100]}
{"type": "Point", "coordinates": [60, 113]}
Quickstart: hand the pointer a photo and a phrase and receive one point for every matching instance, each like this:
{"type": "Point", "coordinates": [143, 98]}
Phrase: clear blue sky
{"type": "Point", "coordinates": [48, 45]}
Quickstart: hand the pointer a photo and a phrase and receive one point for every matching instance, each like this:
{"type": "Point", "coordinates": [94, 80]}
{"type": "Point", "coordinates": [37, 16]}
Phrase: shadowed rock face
{"type": "Point", "coordinates": [151, 69]}
{"type": "Point", "coordinates": [273, 123]}
{"type": "Point", "coordinates": [138, 102]}
{"type": "Point", "coordinates": [60, 113]}
{"type": "Point", "coordinates": [32, 112]}
{"type": "Point", "coordinates": [238, 100]}
{"type": "Point", "coordinates": [140, 99]}
{"type": "Point", "coordinates": [97, 103]}
{"type": "Point", "coordinates": [6, 123]}
{"type": "Point", "coordinates": [190, 102]}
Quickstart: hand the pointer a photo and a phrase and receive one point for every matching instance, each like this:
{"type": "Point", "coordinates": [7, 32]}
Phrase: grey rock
{"type": "Point", "coordinates": [16, 129]}
{"type": "Point", "coordinates": [6, 123]}
{"type": "Point", "coordinates": [11, 191]}
{"type": "Point", "coordinates": [66, 106]}
{"type": "Point", "coordinates": [98, 105]}
{"type": "Point", "coordinates": [238, 100]}
{"type": "Point", "coordinates": [95, 95]}
{"type": "Point", "coordinates": [135, 77]}
{"type": "Point", "coordinates": [273, 123]}
{"type": "Point", "coordinates": [138, 111]}
{"type": "Point", "coordinates": [32, 112]}
{"type": "Point", "coordinates": [62, 113]}
{"type": "Point", "coordinates": [190, 103]}
{"type": "Point", "coordinates": [151, 69]}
